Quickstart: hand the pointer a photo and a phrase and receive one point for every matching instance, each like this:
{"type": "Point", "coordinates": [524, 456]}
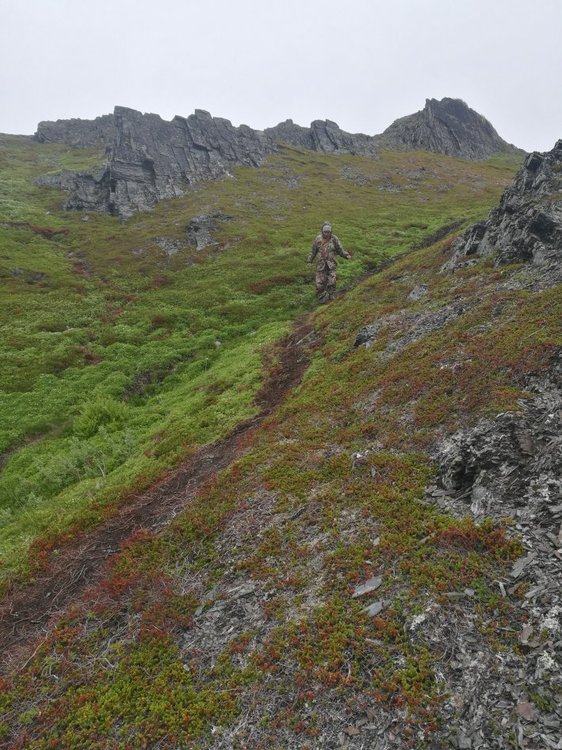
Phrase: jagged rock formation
{"type": "Point", "coordinates": [527, 224]}
{"type": "Point", "coordinates": [150, 159]}
{"type": "Point", "coordinates": [447, 127]}
{"type": "Point", "coordinates": [79, 133]}
{"type": "Point", "coordinates": [324, 136]}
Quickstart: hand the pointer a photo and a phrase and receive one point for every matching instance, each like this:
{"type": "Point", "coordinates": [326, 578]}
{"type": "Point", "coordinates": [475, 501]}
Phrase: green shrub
{"type": "Point", "coordinates": [103, 411]}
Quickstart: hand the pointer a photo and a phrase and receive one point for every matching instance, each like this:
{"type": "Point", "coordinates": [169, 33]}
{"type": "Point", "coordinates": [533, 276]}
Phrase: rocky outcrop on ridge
{"type": "Point", "coordinates": [324, 136]}
{"type": "Point", "coordinates": [446, 127]}
{"type": "Point", "coordinates": [77, 132]}
{"type": "Point", "coordinates": [151, 159]}
{"type": "Point", "coordinates": [526, 227]}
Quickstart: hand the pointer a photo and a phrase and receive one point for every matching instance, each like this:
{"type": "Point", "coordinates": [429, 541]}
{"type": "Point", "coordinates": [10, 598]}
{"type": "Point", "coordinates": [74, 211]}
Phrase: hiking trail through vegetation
{"type": "Point", "coordinates": [30, 610]}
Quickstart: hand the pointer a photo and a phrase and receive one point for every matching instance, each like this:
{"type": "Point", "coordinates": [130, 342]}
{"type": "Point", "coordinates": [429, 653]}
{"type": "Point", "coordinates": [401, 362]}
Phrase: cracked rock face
{"type": "Point", "coordinates": [526, 227]}
{"type": "Point", "coordinates": [152, 159]}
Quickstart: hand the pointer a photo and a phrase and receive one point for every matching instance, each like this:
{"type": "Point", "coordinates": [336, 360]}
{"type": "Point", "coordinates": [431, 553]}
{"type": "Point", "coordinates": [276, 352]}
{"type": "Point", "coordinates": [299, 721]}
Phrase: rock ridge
{"type": "Point", "coordinates": [526, 227]}
{"type": "Point", "coordinates": [324, 136]}
{"type": "Point", "coordinates": [150, 159]}
{"type": "Point", "coordinates": [448, 127]}
{"type": "Point", "coordinates": [77, 132]}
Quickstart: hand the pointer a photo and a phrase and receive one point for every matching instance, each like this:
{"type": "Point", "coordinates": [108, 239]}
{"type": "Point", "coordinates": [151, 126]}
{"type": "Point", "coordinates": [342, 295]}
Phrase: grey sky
{"type": "Point", "coordinates": [362, 63]}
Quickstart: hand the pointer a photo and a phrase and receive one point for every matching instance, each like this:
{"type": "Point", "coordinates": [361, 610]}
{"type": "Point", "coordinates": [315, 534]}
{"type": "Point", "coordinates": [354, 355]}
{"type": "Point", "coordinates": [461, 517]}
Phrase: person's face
{"type": "Point", "coordinates": [326, 233]}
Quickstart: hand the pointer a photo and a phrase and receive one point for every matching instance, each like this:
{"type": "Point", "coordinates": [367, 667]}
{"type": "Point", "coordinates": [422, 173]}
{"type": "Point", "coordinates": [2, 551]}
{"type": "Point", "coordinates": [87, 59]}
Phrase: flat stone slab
{"type": "Point", "coordinates": [366, 588]}
{"type": "Point", "coordinates": [374, 609]}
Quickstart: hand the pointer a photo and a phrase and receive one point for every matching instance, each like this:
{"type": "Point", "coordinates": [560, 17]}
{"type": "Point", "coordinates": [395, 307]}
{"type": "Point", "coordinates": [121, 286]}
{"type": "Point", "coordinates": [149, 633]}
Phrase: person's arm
{"type": "Point", "coordinates": [313, 252]}
{"type": "Point", "coordinates": [340, 250]}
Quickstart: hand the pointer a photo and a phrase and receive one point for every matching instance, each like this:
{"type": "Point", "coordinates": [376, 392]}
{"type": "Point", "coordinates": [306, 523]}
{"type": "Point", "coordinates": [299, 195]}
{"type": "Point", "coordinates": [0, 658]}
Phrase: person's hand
{"type": "Point", "coordinates": [348, 256]}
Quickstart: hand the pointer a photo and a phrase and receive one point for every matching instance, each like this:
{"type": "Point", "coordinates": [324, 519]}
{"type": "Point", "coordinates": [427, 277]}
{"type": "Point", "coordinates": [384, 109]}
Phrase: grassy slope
{"type": "Point", "coordinates": [326, 497]}
{"type": "Point", "coordinates": [328, 492]}
{"type": "Point", "coordinates": [112, 366]}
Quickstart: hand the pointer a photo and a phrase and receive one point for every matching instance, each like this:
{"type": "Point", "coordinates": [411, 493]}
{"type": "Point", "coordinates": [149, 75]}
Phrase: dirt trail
{"type": "Point", "coordinates": [30, 611]}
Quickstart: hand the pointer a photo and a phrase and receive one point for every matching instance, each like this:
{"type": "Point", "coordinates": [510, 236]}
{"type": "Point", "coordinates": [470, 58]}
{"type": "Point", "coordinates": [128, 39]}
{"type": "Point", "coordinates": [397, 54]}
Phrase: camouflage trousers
{"type": "Point", "coordinates": [325, 283]}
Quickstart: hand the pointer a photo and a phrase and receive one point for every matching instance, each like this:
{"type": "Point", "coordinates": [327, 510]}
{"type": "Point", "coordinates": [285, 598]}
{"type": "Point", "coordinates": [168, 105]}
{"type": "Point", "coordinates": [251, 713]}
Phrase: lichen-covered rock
{"type": "Point", "coordinates": [200, 229]}
{"type": "Point", "coordinates": [526, 227]}
{"type": "Point", "coordinates": [447, 127]}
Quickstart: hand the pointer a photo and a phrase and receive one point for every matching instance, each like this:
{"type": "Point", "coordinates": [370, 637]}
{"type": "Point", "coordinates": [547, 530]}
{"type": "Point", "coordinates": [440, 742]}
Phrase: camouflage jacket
{"type": "Point", "coordinates": [325, 251]}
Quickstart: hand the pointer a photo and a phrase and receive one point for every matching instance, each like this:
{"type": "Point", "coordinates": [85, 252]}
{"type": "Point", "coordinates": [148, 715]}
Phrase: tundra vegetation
{"type": "Point", "coordinates": [121, 358]}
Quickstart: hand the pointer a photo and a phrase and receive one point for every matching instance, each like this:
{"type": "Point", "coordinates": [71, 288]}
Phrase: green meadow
{"type": "Point", "coordinates": [120, 359]}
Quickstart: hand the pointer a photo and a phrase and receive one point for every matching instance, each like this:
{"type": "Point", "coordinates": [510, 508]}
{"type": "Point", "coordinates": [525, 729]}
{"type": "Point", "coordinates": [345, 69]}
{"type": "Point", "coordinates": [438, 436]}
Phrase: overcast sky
{"type": "Point", "coordinates": [362, 63]}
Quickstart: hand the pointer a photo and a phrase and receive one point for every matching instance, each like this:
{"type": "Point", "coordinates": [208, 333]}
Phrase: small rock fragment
{"type": "Point", "coordinates": [374, 609]}
{"type": "Point", "coordinates": [371, 585]}
{"type": "Point", "coordinates": [525, 634]}
{"type": "Point", "coordinates": [520, 565]}
{"type": "Point", "coordinates": [527, 711]}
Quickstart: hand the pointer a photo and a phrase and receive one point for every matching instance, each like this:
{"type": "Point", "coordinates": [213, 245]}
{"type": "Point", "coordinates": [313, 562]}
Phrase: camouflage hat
{"type": "Point", "coordinates": [326, 227]}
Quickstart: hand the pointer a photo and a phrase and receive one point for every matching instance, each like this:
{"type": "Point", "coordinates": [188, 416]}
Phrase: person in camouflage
{"type": "Point", "coordinates": [325, 248]}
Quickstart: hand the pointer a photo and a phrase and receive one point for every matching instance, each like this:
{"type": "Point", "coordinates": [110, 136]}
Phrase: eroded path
{"type": "Point", "coordinates": [30, 611]}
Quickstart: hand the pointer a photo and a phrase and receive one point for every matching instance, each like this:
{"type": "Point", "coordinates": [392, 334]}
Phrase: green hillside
{"type": "Point", "coordinates": [118, 359]}
{"type": "Point", "coordinates": [240, 621]}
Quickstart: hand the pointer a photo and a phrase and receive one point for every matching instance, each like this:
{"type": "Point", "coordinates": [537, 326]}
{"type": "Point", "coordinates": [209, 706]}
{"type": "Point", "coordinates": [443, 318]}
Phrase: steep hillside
{"type": "Point", "coordinates": [344, 567]}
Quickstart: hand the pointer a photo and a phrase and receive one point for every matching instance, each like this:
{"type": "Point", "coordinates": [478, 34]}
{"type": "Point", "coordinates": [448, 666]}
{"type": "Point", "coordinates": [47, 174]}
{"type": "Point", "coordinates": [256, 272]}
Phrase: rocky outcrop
{"type": "Point", "coordinates": [151, 159]}
{"type": "Point", "coordinates": [78, 133]}
{"type": "Point", "coordinates": [200, 229]}
{"type": "Point", "coordinates": [526, 227]}
{"type": "Point", "coordinates": [290, 133]}
{"type": "Point", "coordinates": [324, 136]}
{"type": "Point", "coordinates": [88, 190]}
{"type": "Point", "coordinates": [446, 127]}
{"type": "Point", "coordinates": [509, 467]}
